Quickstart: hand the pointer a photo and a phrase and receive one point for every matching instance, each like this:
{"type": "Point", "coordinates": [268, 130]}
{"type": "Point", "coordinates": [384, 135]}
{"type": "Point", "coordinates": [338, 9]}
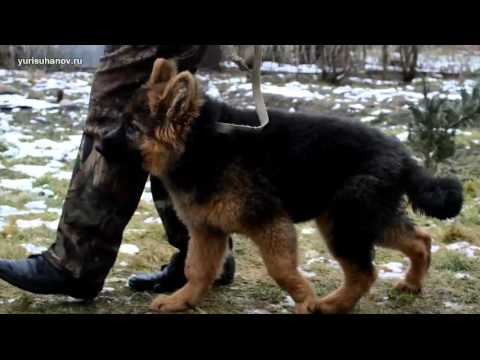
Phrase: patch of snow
{"type": "Point", "coordinates": [61, 150]}
{"type": "Point", "coordinates": [391, 270]}
{"type": "Point", "coordinates": [228, 64]}
{"type": "Point", "coordinates": [147, 197]}
{"type": "Point", "coordinates": [292, 89]}
{"type": "Point", "coordinates": [40, 205]}
{"type": "Point", "coordinates": [24, 185]}
{"type": "Point", "coordinates": [44, 190]}
{"type": "Point", "coordinates": [288, 68]}
{"type": "Point", "coordinates": [462, 276]}
{"type": "Point", "coordinates": [33, 249]}
{"type": "Point", "coordinates": [464, 248]}
{"type": "Point", "coordinates": [465, 133]}
{"type": "Point", "coordinates": [380, 111]}
{"type": "Point", "coordinates": [19, 101]}
{"type": "Point", "coordinates": [27, 224]}
{"type": "Point", "coordinates": [308, 231]}
{"type": "Point", "coordinates": [288, 301]}
{"type": "Point", "coordinates": [213, 91]}
{"type": "Point", "coordinates": [153, 220]}
{"type": "Point", "coordinates": [129, 249]}
{"type": "Point", "coordinates": [368, 118]}
{"type": "Point", "coordinates": [403, 136]}
{"type": "Point", "coordinates": [55, 210]}
{"type": "Point", "coordinates": [434, 248]}
{"type": "Point", "coordinates": [62, 175]}
{"type": "Point", "coordinates": [307, 274]}
{"type": "Point", "coordinates": [257, 311]}
{"type": "Point", "coordinates": [35, 171]}
{"type": "Point", "coordinates": [358, 107]}
{"type": "Point", "coordinates": [322, 259]}
{"type": "Point", "coordinates": [17, 184]}
{"type": "Point", "coordinates": [452, 305]}
{"type": "Point", "coordinates": [6, 210]}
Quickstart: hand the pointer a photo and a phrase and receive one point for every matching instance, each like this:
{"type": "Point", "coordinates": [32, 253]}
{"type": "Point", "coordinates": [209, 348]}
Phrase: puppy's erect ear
{"type": "Point", "coordinates": [163, 70]}
{"type": "Point", "coordinates": [182, 99]}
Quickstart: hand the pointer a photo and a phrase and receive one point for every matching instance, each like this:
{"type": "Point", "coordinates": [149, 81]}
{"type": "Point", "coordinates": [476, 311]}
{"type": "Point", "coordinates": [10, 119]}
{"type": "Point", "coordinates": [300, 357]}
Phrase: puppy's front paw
{"type": "Point", "coordinates": [307, 307]}
{"type": "Point", "coordinates": [168, 304]}
{"type": "Point", "coordinates": [406, 287]}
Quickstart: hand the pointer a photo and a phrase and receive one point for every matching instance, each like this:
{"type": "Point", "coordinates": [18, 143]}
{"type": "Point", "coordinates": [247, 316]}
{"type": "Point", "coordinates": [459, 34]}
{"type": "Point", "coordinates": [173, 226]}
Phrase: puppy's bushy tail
{"type": "Point", "coordinates": [438, 197]}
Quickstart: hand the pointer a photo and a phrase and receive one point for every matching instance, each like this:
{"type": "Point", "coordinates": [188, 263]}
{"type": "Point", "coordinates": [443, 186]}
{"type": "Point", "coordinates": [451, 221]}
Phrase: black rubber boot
{"type": "Point", "coordinates": [168, 279]}
{"type": "Point", "coordinates": [37, 275]}
{"type": "Point", "coordinates": [172, 276]}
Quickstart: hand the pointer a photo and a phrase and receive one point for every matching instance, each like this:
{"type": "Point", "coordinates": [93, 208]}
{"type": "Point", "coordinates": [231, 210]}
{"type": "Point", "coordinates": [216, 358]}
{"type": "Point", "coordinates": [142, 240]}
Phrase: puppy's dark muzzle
{"type": "Point", "coordinates": [114, 147]}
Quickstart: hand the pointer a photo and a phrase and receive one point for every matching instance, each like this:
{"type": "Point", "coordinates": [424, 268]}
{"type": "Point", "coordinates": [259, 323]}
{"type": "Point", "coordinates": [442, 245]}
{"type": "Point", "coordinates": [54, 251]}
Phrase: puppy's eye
{"type": "Point", "coordinates": [132, 129]}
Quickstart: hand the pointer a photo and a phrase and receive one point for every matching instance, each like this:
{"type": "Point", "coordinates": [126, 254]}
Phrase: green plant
{"type": "Point", "coordinates": [435, 121]}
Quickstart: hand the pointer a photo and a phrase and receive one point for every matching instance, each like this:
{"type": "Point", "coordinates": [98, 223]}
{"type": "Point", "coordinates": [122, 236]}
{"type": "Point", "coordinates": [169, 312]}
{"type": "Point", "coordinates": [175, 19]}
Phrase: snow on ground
{"type": "Point", "coordinates": [6, 210]}
{"type": "Point", "coordinates": [153, 220]}
{"type": "Point", "coordinates": [308, 231]}
{"type": "Point", "coordinates": [453, 305]}
{"type": "Point", "coordinates": [36, 205]}
{"type": "Point", "coordinates": [12, 101]}
{"type": "Point", "coordinates": [33, 249]}
{"type": "Point", "coordinates": [313, 257]}
{"type": "Point", "coordinates": [434, 63]}
{"type": "Point", "coordinates": [391, 270]}
{"type": "Point", "coordinates": [462, 276]}
{"type": "Point", "coordinates": [28, 224]}
{"type": "Point", "coordinates": [307, 274]}
{"type": "Point", "coordinates": [129, 249]}
{"type": "Point", "coordinates": [62, 150]}
{"type": "Point", "coordinates": [465, 248]}
{"type": "Point", "coordinates": [25, 185]}
{"type": "Point", "coordinates": [26, 127]}
{"type": "Point", "coordinates": [147, 197]}
{"type": "Point", "coordinates": [288, 68]}
{"type": "Point", "coordinates": [32, 145]}
{"type": "Point", "coordinates": [21, 141]}
{"type": "Point", "coordinates": [367, 97]}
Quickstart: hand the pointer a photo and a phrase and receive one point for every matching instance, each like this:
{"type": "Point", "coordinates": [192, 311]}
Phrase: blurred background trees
{"type": "Point", "coordinates": [335, 62]}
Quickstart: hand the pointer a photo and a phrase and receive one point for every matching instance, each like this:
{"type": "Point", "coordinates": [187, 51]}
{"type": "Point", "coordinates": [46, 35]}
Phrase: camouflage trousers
{"type": "Point", "coordinates": [102, 195]}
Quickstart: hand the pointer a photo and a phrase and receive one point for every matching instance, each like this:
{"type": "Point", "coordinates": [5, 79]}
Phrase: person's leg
{"type": "Point", "coordinates": [103, 192]}
{"type": "Point", "coordinates": [172, 276]}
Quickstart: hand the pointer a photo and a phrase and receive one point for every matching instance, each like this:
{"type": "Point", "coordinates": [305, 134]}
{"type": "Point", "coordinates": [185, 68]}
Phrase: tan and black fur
{"type": "Point", "coordinates": [347, 176]}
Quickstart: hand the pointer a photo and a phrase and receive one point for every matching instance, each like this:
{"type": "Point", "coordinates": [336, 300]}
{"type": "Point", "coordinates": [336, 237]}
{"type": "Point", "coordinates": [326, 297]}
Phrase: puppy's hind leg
{"type": "Point", "coordinates": [206, 251]}
{"type": "Point", "coordinates": [278, 246]}
{"type": "Point", "coordinates": [415, 243]}
{"type": "Point", "coordinates": [358, 216]}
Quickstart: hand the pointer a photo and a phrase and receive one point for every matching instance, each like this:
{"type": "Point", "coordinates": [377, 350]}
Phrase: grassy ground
{"type": "Point", "coordinates": [253, 291]}
{"type": "Point", "coordinates": [453, 285]}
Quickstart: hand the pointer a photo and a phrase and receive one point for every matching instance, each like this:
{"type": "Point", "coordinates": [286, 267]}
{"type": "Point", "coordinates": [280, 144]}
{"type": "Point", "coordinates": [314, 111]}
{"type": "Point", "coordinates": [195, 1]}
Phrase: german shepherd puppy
{"type": "Point", "coordinates": [350, 178]}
